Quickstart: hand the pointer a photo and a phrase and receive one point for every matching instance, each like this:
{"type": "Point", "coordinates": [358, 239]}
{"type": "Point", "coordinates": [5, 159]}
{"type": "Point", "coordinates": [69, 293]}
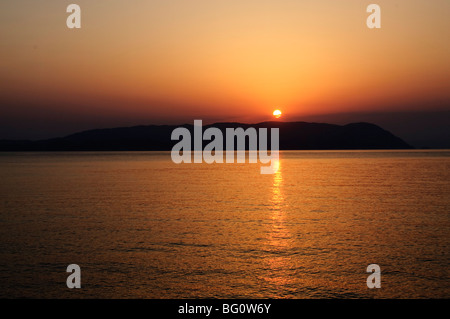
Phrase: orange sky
{"type": "Point", "coordinates": [223, 59]}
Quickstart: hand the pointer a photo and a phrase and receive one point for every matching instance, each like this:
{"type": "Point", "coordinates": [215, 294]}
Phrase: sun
{"type": "Point", "coordinates": [277, 114]}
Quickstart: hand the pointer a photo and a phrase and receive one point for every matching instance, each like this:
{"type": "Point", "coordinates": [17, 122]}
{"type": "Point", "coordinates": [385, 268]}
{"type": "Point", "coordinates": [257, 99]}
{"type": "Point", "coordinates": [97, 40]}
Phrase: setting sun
{"type": "Point", "coordinates": [277, 113]}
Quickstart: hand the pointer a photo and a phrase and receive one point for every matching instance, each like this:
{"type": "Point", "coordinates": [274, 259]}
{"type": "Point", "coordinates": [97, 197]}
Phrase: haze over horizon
{"type": "Point", "coordinates": [137, 63]}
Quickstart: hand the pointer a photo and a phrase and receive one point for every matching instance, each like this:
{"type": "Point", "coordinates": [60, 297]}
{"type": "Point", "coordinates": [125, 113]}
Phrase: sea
{"type": "Point", "coordinates": [140, 226]}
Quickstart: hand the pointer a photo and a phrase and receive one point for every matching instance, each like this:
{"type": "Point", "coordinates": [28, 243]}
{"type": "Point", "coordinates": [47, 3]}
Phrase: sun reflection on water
{"type": "Point", "coordinates": [279, 237]}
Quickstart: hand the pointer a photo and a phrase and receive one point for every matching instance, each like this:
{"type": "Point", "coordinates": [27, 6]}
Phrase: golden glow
{"type": "Point", "coordinates": [277, 113]}
{"type": "Point", "coordinates": [224, 58]}
{"type": "Point", "coordinates": [280, 238]}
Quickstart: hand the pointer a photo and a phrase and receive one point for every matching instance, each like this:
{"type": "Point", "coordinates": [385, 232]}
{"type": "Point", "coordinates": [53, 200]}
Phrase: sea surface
{"type": "Point", "coordinates": [140, 226]}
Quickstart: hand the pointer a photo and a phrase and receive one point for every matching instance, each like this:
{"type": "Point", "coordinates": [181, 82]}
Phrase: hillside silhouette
{"type": "Point", "coordinates": [293, 136]}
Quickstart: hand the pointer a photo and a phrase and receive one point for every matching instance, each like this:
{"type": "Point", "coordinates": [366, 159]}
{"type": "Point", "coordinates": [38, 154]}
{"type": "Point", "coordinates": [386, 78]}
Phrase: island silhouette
{"type": "Point", "coordinates": [293, 136]}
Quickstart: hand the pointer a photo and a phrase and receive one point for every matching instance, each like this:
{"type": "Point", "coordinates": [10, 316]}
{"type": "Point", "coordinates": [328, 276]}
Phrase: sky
{"type": "Point", "coordinates": [169, 62]}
